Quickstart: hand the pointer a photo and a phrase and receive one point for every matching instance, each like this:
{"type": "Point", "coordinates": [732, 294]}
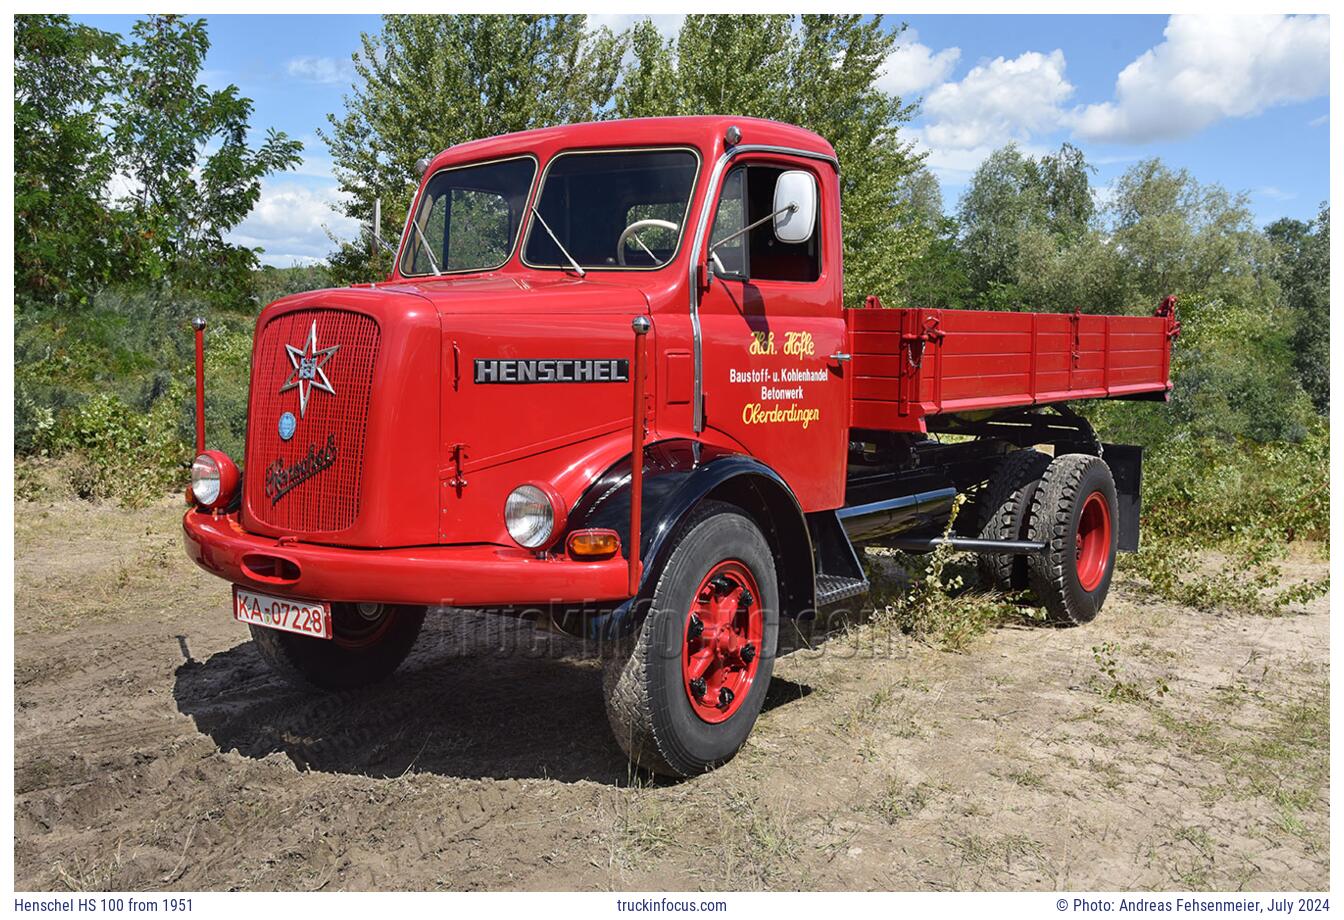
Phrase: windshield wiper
{"type": "Point", "coordinates": [424, 243]}
{"type": "Point", "coordinates": [556, 240]}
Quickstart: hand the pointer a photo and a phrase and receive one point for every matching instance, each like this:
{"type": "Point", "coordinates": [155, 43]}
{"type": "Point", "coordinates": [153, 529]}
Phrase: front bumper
{"type": "Point", "coordinates": [458, 576]}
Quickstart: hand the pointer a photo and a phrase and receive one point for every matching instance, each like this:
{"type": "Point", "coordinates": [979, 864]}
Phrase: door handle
{"type": "Point", "coordinates": [840, 357]}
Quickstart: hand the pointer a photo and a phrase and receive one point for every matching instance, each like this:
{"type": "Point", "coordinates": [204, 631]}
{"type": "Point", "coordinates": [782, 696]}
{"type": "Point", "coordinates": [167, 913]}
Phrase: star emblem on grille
{"type": "Point", "coordinates": [308, 374]}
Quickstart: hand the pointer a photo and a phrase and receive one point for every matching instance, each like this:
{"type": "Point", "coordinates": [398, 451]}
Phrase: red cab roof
{"type": "Point", "coordinates": [704, 132]}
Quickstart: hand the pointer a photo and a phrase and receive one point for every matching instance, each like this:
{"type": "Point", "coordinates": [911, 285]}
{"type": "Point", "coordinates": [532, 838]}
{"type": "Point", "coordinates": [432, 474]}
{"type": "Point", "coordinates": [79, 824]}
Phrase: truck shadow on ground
{"type": "Point", "coordinates": [481, 696]}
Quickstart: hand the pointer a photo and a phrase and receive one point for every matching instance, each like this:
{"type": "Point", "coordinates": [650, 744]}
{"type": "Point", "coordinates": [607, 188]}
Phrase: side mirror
{"type": "Point", "coordinates": [795, 206]}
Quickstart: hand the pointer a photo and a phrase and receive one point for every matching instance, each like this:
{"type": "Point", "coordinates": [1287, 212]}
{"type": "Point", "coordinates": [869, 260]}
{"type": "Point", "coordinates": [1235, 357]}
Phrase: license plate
{"type": "Point", "coordinates": [288, 615]}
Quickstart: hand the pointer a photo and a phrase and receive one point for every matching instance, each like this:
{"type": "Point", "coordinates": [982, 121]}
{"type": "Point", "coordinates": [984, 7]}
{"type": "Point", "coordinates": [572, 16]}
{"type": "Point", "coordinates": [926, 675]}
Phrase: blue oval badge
{"type": "Point", "coordinates": [287, 426]}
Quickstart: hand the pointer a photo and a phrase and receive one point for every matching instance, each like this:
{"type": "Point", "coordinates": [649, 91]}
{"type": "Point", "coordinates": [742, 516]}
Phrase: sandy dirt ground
{"type": "Point", "coordinates": [155, 751]}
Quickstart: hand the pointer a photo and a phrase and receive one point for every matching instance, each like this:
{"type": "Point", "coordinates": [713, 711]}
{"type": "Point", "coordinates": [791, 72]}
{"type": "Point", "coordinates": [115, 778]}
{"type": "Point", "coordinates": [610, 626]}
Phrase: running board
{"type": "Point", "coordinates": [838, 573]}
{"type": "Point", "coordinates": [833, 588]}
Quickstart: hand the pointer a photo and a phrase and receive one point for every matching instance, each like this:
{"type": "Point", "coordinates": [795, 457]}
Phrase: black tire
{"type": "Point", "coordinates": [647, 702]}
{"type": "Point", "coordinates": [362, 650]}
{"type": "Point", "coordinates": [1068, 486]}
{"type": "Point", "coordinates": [1005, 514]}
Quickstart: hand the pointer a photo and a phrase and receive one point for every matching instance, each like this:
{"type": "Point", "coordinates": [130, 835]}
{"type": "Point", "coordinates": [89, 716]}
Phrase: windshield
{"type": "Point", "coordinates": [468, 218]}
{"type": "Point", "coordinates": [621, 209]}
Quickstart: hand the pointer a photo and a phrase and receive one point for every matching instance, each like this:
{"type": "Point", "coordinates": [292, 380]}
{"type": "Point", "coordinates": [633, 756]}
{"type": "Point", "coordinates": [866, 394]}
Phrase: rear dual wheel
{"type": "Point", "coordinates": [1005, 514]}
{"type": "Point", "coordinates": [682, 697]}
{"type": "Point", "coordinates": [1075, 513]}
{"type": "Point", "coordinates": [1068, 503]}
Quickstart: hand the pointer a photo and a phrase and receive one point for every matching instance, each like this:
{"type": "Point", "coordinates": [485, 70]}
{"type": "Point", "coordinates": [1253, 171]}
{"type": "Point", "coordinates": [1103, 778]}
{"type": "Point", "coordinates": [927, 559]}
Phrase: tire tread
{"type": "Point", "coordinates": [627, 682]}
{"type": "Point", "coordinates": [1005, 514]}
{"type": "Point", "coordinates": [1052, 523]}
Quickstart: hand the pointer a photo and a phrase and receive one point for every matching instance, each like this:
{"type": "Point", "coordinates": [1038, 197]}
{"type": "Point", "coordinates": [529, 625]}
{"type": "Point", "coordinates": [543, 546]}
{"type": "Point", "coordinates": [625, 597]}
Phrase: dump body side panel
{"type": "Point", "coordinates": [911, 363]}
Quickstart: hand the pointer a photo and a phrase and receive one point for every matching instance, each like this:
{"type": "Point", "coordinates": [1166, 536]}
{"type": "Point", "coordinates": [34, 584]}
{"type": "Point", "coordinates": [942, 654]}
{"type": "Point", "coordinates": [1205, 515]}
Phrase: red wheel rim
{"type": "Point", "coordinates": [1094, 541]}
{"type": "Point", "coordinates": [721, 642]}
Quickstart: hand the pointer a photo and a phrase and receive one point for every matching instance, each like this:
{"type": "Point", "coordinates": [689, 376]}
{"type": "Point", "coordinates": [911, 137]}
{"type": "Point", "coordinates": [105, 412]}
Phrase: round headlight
{"type": "Point", "coordinates": [205, 479]}
{"type": "Point", "coordinates": [530, 515]}
{"type": "Point", "coordinates": [214, 479]}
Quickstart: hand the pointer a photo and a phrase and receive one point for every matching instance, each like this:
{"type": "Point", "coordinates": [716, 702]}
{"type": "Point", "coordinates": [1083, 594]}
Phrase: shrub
{"type": "Point", "coordinates": [131, 456]}
{"type": "Point", "coordinates": [115, 384]}
{"type": "Point", "coordinates": [934, 609]}
{"type": "Point", "coordinates": [1218, 517]}
{"type": "Point", "coordinates": [1233, 376]}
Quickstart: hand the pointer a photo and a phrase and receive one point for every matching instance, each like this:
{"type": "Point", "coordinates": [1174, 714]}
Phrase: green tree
{"type": "Point", "coordinates": [1176, 235]}
{"type": "Point", "coordinates": [65, 236]}
{"type": "Point", "coordinates": [429, 82]}
{"type": "Point", "coordinates": [936, 278]}
{"type": "Point", "coordinates": [923, 196]}
{"type": "Point", "coordinates": [1233, 379]}
{"type": "Point", "coordinates": [183, 200]}
{"type": "Point", "coordinates": [816, 71]}
{"type": "Point", "coordinates": [1015, 202]}
{"type": "Point", "coordinates": [1061, 273]}
{"type": "Point", "coordinates": [1301, 265]}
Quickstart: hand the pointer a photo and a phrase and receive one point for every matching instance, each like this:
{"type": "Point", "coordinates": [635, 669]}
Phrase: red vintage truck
{"type": "Point", "coordinates": [669, 290]}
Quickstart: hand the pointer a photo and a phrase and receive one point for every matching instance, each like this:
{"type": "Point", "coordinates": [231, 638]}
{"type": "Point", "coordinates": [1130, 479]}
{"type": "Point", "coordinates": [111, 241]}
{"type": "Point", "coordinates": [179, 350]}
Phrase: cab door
{"type": "Point", "coordinates": [771, 329]}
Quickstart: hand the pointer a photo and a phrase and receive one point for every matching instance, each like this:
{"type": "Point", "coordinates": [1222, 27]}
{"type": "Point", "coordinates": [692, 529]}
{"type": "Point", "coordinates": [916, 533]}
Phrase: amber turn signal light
{"type": "Point", "coordinates": [594, 544]}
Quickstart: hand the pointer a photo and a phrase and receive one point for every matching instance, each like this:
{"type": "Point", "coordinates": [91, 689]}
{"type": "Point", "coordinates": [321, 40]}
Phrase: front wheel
{"type": "Point", "coordinates": [683, 696]}
{"type": "Point", "coordinates": [368, 642]}
{"type": "Point", "coordinates": [1074, 512]}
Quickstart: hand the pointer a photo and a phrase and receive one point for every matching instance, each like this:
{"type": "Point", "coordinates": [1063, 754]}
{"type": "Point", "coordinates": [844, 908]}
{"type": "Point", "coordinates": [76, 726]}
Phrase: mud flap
{"type": "Point", "coordinates": [1126, 463]}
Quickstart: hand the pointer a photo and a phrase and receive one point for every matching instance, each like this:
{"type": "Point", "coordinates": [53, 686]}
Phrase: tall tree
{"type": "Point", "coordinates": [1015, 203]}
{"type": "Point", "coordinates": [64, 233]}
{"type": "Point", "coordinates": [429, 82]}
{"type": "Point", "coordinates": [936, 278]}
{"type": "Point", "coordinates": [1301, 265]}
{"type": "Point", "coordinates": [183, 199]}
{"type": "Point", "coordinates": [816, 71]}
{"type": "Point", "coordinates": [924, 196]}
{"type": "Point", "coordinates": [1175, 234]}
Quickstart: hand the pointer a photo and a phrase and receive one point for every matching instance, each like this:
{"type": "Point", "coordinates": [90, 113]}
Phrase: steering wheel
{"type": "Point", "coordinates": [633, 230]}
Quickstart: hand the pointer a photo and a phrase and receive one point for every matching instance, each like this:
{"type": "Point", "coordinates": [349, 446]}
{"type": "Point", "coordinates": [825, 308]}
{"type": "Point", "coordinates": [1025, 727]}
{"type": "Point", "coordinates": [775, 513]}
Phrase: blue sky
{"type": "Point", "coordinates": [1242, 101]}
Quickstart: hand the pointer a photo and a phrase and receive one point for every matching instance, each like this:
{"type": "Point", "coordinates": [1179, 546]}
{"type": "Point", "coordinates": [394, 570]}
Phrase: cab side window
{"type": "Point", "coordinates": [748, 195]}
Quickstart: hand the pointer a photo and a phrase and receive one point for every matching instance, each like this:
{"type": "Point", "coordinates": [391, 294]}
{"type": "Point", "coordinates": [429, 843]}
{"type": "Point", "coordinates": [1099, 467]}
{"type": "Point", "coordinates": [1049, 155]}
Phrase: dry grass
{"type": "Point", "coordinates": [1035, 759]}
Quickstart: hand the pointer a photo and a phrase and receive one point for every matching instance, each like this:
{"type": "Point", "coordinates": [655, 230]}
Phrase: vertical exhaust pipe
{"type": "Point", "coordinates": [199, 324]}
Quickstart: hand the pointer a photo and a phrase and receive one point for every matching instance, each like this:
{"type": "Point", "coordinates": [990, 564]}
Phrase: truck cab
{"type": "Point", "coordinates": [610, 384]}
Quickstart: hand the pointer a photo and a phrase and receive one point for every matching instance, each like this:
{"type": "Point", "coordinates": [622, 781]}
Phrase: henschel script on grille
{"type": "Point", "coordinates": [280, 479]}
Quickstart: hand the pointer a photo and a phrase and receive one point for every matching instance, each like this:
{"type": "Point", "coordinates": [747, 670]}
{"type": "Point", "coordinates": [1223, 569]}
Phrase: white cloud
{"type": "Point", "coordinates": [1318, 121]}
{"type": "Point", "coordinates": [913, 66]}
{"type": "Point", "coordinates": [1210, 68]}
{"type": "Point", "coordinates": [997, 102]}
{"type": "Point", "coordinates": [121, 185]}
{"type": "Point", "coordinates": [291, 220]}
{"type": "Point", "coordinates": [954, 165]}
{"type": "Point", "coordinates": [1274, 193]}
{"type": "Point", "coordinates": [321, 69]}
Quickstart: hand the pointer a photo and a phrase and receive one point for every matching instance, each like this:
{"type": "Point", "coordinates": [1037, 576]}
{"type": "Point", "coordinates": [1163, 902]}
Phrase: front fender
{"type": "Point", "coordinates": [678, 475]}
